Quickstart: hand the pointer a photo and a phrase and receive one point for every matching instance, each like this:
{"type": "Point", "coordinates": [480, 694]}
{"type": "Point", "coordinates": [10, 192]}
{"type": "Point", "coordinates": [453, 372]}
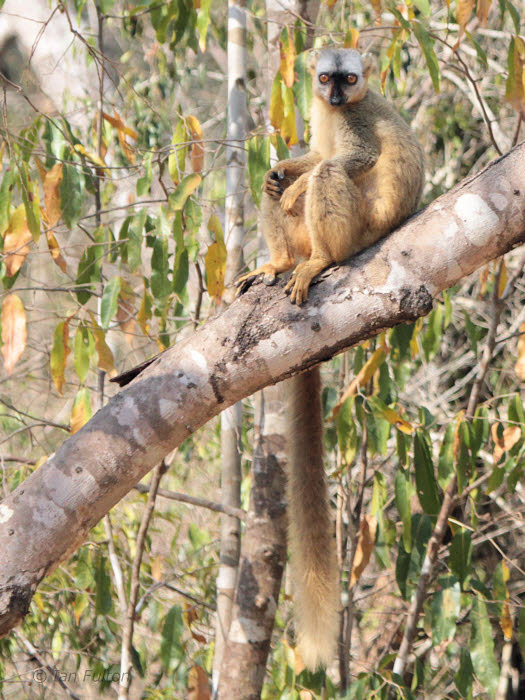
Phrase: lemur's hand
{"type": "Point", "coordinates": [273, 182]}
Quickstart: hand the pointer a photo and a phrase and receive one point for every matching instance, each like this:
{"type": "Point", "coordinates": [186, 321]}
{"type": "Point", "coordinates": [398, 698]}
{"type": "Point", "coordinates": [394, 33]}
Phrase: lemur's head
{"type": "Point", "coordinates": [340, 76]}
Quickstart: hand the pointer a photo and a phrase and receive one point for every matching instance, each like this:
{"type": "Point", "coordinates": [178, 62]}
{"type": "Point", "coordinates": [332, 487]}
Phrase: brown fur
{"type": "Point", "coordinates": [362, 177]}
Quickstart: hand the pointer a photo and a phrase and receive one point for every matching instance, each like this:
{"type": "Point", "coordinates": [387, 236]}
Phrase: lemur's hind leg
{"type": "Point", "coordinates": [285, 233]}
{"type": "Point", "coordinates": [336, 224]}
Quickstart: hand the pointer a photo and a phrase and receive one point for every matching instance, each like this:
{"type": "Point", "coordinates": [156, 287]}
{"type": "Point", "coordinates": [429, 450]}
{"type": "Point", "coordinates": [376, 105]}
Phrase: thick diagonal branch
{"type": "Point", "coordinates": [259, 340]}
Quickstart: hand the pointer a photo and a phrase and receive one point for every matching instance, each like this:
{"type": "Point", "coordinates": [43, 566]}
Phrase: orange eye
{"type": "Point", "coordinates": [352, 78]}
{"type": "Point", "coordinates": [324, 78]}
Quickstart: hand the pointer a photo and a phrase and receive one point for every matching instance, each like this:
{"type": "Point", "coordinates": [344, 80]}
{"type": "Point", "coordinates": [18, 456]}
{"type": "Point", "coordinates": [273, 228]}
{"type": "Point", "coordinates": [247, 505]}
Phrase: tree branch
{"type": "Point", "coordinates": [257, 341]}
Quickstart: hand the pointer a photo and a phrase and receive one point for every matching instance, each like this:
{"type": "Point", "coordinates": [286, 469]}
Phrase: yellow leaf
{"type": "Point", "coordinates": [16, 238]}
{"type": "Point", "coordinates": [96, 160]}
{"type": "Point", "coordinates": [287, 49]}
{"type": "Point", "coordinates": [463, 13]}
{"type": "Point", "coordinates": [59, 354]}
{"type": "Point", "coordinates": [81, 411]}
{"type": "Point", "coordinates": [482, 11]}
{"type": "Point", "coordinates": [198, 686]}
{"type": "Point", "coordinates": [276, 102]}
{"type": "Point", "coordinates": [288, 127]}
{"type": "Point", "coordinates": [520, 363]}
{"type": "Point", "coordinates": [156, 568]}
{"type": "Point", "coordinates": [365, 547]}
{"type": "Point", "coordinates": [506, 620]}
{"type": "Point", "coordinates": [80, 604]}
{"type": "Point", "coordinates": [414, 344]}
{"type": "Point", "coordinates": [105, 360]}
{"type": "Point", "coordinates": [351, 39]}
{"type": "Point", "coordinates": [14, 331]}
{"type": "Point", "coordinates": [54, 249]}
{"type": "Point", "coordinates": [185, 189]}
{"type": "Point", "coordinates": [197, 148]}
{"type": "Point", "coordinates": [215, 261]}
{"type": "Point", "coordinates": [364, 376]}
{"type": "Point", "coordinates": [396, 420]}
{"type": "Point", "coordinates": [52, 180]}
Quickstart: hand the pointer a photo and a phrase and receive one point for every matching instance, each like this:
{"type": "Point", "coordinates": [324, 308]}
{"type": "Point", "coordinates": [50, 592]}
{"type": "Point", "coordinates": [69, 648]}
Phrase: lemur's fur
{"type": "Point", "coordinates": [361, 178]}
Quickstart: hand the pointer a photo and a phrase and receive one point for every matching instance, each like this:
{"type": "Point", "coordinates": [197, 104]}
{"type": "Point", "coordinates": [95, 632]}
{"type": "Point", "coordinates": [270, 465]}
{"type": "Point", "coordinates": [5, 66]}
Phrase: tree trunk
{"type": "Point", "coordinates": [258, 340]}
{"type": "Point", "coordinates": [231, 419]}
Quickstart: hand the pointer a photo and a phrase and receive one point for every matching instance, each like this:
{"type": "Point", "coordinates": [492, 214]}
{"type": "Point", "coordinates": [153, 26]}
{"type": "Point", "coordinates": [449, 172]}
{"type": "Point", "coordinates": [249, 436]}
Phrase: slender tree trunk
{"type": "Point", "coordinates": [231, 419]}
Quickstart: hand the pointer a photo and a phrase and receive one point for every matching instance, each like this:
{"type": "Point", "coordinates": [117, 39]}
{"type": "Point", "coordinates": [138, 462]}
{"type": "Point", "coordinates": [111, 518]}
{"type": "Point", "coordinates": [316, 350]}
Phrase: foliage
{"type": "Point", "coordinates": [111, 222]}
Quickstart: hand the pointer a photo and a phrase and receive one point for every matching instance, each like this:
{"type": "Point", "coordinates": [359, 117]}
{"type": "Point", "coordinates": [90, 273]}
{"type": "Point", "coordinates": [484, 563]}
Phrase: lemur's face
{"type": "Point", "coordinates": [340, 76]}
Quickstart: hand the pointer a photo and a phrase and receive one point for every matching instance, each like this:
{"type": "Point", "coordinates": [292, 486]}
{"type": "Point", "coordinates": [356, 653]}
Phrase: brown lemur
{"type": "Point", "coordinates": [361, 178]}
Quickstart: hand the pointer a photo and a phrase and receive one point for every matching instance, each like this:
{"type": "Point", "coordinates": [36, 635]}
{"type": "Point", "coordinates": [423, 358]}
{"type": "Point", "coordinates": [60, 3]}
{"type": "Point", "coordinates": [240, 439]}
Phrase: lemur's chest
{"type": "Point", "coordinates": [323, 129]}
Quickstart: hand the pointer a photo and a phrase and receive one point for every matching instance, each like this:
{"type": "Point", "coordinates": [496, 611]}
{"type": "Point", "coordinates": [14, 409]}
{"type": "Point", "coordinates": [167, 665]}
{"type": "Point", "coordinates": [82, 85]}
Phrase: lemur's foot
{"type": "Point", "coordinates": [268, 273]}
{"type": "Point", "coordinates": [299, 283]}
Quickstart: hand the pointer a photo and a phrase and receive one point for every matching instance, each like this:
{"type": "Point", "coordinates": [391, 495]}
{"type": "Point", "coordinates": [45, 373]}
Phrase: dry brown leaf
{"type": "Point", "coordinates": [506, 442]}
{"type": "Point", "coordinates": [54, 249]}
{"type": "Point", "coordinates": [365, 547]}
{"type": "Point", "coordinates": [463, 14]}
{"type": "Point", "coordinates": [198, 685]}
{"type": "Point", "coordinates": [482, 11]}
{"type": "Point", "coordinates": [14, 331]}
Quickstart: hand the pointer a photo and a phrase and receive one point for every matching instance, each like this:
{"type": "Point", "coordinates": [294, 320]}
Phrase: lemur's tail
{"type": "Point", "coordinates": [310, 531]}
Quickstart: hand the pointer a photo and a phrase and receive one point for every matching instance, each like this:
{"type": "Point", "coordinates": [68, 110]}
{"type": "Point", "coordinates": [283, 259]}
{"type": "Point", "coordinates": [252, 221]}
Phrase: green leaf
{"type": "Point", "coordinates": [88, 273]}
{"type": "Point", "coordinates": [103, 600]}
{"type": "Point", "coordinates": [465, 674]}
{"type": "Point", "coordinates": [177, 157]}
{"type": "Point", "coordinates": [144, 182]}
{"type": "Point", "coordinates": [59, 353]}
{"type": "Point", "coordinates": [423, 6]}
{"type": "Point", "coordinates": [482, 56]}
{"type": "Point", "coordinates": [84, 347]}
{"type": "Point", "coordinates": [186, 188]}
{"type": "Point", "coordinates": [446, 456]}
{"type": "Point", "coordinates": [302, 87]}
{"type": "Point", "coordinates": [408, 564]}
{"type": "Point", "coordinates": [160, 282]}
{"type": "Point", "coordinates": [109, 302]}
{"type": "Point", "coordinates": [203, 22]}
{"type": "Point", "coordinates": [170, 635]}
{"type": "Point", "coordinates": [403, 490]}
{"type": "Point", "coordinates": [426, 485]}
{"type": "Point", "coordinates": [460, 559]}
{"type": "Point", "coordinates": [135, 233]}
{"type": "Point", "coordinates": [5, 199]}
{"type": "Point", "coordinates": [379, 494]}
{"type": "Point", "coordinates": [31, 200]}
{"type": "Point", "coordinates": [427, 44]}
{"type": "Point", "coordinates": [445, 609]}
{"type": "Point", "coordinates": [346, 431]}
{"type": "Point", "coordinates": [258, 164]}
{"type": "Point", "coordinates": [481, 647]}
{"type": "Point", "coordinates": [71, 193]}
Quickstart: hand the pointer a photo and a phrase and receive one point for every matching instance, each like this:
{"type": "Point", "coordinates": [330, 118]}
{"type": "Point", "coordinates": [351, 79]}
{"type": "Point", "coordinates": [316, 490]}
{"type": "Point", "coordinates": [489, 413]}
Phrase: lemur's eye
{"type": "Point", "coordinates": [324, 78]}
{"type": "Point", "coordinates": [352, 78]}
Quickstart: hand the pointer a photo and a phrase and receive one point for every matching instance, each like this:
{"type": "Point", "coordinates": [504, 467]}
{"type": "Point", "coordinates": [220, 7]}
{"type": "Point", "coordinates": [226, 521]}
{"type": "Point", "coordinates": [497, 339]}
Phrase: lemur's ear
{"type": "Point", "coordinates": [367, 61]}
{"type": "Point", "coordinates": [313, 57]}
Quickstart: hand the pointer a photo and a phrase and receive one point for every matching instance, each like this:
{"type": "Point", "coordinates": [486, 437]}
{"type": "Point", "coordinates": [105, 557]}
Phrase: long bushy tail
{"type": "Point", "coordinates": [310, 530]}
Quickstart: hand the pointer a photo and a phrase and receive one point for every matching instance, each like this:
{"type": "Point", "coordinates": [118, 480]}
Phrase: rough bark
{"type": "Point", "coordinates": [263, 557]}
{"type": "Point", "coordinates": [259, 340]}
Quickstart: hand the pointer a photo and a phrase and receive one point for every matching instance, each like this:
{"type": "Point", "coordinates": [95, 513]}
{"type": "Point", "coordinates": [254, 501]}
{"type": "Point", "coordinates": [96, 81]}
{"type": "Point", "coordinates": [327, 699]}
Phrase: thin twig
{"type": "Point", "coordinates": [127, 636]}
{"type": "Point", "coordinates": [196, 501]}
